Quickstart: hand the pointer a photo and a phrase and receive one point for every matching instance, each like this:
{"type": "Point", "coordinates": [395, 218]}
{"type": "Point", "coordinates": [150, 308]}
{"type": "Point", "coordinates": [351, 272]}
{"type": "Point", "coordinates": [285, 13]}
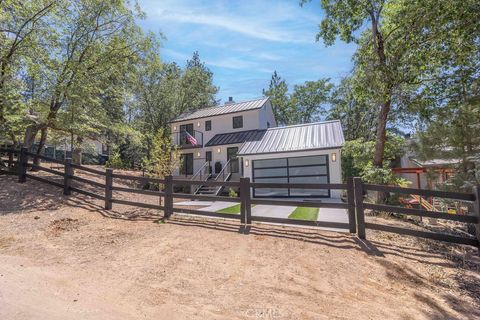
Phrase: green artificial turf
{"type": "Point", "coordinates": [303, 213]}
{"type": "Point", "coordinates": [231, 210]}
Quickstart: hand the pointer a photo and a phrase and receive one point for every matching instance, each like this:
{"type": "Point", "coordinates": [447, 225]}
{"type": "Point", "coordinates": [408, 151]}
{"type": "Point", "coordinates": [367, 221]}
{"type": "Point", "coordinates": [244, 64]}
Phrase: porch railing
{"type": "Point", "coordinates": [181, 139]}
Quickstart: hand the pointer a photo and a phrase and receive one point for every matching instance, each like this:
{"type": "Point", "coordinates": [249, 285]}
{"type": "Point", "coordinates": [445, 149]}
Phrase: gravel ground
{"type": "Point", "coordinates": [68, 258]}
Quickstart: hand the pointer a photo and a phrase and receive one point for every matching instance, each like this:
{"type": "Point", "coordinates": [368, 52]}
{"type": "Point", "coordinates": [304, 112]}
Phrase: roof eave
{"type": "Point", "coordinates": [287, 151]}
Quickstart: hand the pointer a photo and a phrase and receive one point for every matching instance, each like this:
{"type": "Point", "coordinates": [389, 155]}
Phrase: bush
{"type": "Point", "coordinates": [232, 193]}
{"type": "Point", "coordinates": [115, 161]}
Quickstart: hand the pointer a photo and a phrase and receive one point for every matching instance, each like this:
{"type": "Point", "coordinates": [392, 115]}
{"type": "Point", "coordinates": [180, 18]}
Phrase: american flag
{"type": "Point", "coordinates": [190, 139]}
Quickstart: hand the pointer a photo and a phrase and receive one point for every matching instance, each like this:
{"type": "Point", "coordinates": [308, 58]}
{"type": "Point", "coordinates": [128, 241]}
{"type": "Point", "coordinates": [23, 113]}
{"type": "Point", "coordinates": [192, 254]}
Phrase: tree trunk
{"type": "Point", "coordinates": [41, 145]}
{"type": "Point", "coordinates": [77, 151]}
{"type": "Point", "coordinates": [30, 135]}
{"type": "Point", "coordinates": [381, 134]}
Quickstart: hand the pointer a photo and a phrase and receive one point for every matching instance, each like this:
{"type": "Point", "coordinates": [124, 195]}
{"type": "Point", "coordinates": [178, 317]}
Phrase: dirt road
{"type": "Point", "coordinates": [67, 258]}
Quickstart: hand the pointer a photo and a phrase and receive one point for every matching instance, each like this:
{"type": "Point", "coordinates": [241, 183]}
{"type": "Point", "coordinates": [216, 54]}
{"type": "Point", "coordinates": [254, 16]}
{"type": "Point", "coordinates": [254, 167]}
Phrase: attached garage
{"type": "Point", "coordinates": [307, 153]}
{"type": "Point", "coordinates": [307, 169]}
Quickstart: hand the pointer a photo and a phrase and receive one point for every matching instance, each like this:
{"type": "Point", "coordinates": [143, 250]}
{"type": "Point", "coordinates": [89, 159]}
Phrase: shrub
{"type": "Point", "coordinates": [115, 161]}
{"type": "Point", "coordinates": [232, 193]}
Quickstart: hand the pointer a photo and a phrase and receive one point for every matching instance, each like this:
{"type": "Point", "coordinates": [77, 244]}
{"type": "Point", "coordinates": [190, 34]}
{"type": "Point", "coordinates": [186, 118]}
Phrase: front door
{"type": "Point", "coordinates": [186, 163]}
{"type": "Point", "coordinates": [183, 136]}
{"type": "Point", "coordinates": [232, 156]}
{"type": "Point", "coordinates": [208, 158]}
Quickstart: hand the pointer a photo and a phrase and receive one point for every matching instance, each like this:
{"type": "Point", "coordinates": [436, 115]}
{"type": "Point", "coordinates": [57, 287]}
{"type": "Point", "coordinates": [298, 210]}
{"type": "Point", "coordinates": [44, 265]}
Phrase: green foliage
{"type": "Point", "coordinates": [278, 93]}
{"type": "Point", "coordinates": [115, 161]}
{"type": "Point", "coordinates": [351, 105]}
{"type": "Point", "coordinates": [305, 104]}
{"type": "Point", "coordinates": [232, 193]}
{"type": "Point", "coordinates": [357, 160]}
{"type": "Point", "coordinates": [164, 157]}
{"type": "Point", "coordinates": [163, 91]}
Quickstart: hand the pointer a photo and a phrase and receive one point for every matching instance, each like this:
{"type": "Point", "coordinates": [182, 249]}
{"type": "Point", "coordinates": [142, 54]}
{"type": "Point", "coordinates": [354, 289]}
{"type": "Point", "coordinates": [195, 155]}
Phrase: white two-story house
{"type": "Point", "coordinates": [242, 139]}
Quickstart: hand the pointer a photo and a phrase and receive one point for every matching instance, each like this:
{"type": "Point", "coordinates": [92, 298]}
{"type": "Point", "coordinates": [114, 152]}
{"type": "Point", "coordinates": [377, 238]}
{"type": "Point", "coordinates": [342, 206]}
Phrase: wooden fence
{"type": "Point", "coordinates": [354, 205]}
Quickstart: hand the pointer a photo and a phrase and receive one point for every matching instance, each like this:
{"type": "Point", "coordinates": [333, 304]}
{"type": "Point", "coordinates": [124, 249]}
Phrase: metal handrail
{"type": "Point", "coordinates": [222, 172]}
{"type": "Point", "coordinates": [199, 173]}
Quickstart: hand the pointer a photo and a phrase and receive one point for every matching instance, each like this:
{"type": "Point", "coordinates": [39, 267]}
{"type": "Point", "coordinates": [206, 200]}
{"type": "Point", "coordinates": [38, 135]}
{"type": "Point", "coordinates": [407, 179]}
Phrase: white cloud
{"type": "Point", "coordinates": [284, 22]}
{"type": "Point", "coordinates": [245, 27]}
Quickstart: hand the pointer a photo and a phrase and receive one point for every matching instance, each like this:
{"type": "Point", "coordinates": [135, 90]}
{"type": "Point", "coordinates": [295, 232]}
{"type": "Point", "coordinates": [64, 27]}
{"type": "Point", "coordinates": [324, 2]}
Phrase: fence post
{"type": "Point", "coordinates": [168, 205]}
{"type": "Point", "coordinates": [243, 202]}
{"type": "Point", "coordinates": [358, 187]}
{"type": "Point", "coordinates": [108, 188]}
{"type": "Point", "coordinates": [10, 158]}
{"type": "Point", "coordinates": [67, 177]}
{"type": "Point", "coordinates": [22, 165]}
{"type": "Point", "coordinates": [248, 202]}
{"type": "Point", "coordinates": [476, 191]}
{"type": "Point", "coordinates": [351, 205]}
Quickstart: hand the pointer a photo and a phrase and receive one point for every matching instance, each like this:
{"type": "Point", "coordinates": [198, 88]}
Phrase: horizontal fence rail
{"type": "Point", "coordinates": [309, 223]}
{"type": "Point", "coordinates": [137, 178]}
{"type": "Point", "coordinates": [138, 204]}
{"type": "Point", "coordinates": [52, 171]}
{"type": "Point", "coordinates": [307, 204]}
{"type": "Point", "coordinates": [206, 183]}
{"type": "Point", "coordinates": [76, 166]}
{"type": "Point", "coordinates": [47, 159]}
{"type": "Point", "coordinates": [138, 191]}
{"type": "Point", "coordinates": [421, 192]}
{"type": "Point", "coordinates": [208, 213]}
{"type": "Point", "coordinates": [422, 213]}
{"type": "Point", "coordinates": [423, 234]}
{"type": "Point", "coordinates": [354, 205]}
{"type": "Point", "coordinates": [44, 180]}
{"type": "Point", "coordinates": [90, 182]}
{"type": "Point", "coordinates": [205, 197]}
{"type": "Point", "coordinates": [360, 206]}
{"type": "Point", "coordinates": [334, 186]}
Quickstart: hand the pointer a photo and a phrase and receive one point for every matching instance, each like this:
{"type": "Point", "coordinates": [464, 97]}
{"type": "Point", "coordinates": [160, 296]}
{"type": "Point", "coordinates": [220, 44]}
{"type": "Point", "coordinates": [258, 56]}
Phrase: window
{"type": "Point", "coordinates": [237, 122]}
{"type": "Point", "coordinates": [311, 169]}
{"type": "Point", "coordinates": [208, 156]}
{"type": "Point", "coordinates": [208, 125]}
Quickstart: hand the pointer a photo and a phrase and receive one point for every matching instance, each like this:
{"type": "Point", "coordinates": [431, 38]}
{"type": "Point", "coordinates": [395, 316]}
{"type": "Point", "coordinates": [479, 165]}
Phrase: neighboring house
{"type": "Point", "coordinates": [242, 140]}
{"type": "Point", "coordinates": [425, 174]}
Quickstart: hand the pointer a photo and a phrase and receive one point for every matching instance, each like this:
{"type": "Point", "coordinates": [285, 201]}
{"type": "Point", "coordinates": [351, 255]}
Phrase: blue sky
{"type": "Point", "coordinates": [243, 42]}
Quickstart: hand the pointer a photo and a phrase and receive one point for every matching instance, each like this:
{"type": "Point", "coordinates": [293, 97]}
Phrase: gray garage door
{"type": "Point", "coordinates": [311, 169]}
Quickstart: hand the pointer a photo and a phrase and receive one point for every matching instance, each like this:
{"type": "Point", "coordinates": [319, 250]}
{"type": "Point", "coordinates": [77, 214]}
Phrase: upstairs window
{"type": "Point", "coordinates": [208, 125]}
{"type": "Point", "coordinates": [237, 122]}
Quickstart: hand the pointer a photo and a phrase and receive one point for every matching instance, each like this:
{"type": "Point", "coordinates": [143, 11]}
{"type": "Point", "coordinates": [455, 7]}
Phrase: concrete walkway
{"type": "Point", "coordinates": [324, 214]}
{"type": "Point", "coordinates": [272, 211]}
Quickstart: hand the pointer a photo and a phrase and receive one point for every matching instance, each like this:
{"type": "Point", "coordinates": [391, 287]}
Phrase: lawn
{"type": "Point", "coordinates": [303, 213]}
{"type": "Point", "coordinates": [231, 210]}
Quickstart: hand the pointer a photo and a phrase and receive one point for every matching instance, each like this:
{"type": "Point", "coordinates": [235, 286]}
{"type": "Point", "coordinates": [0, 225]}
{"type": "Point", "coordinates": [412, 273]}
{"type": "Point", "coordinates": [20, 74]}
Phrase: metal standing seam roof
{"type": "Point", "coordinates": [233, 137]}
{"type": "Point", "coordinates": [222, 109]}
{"type": "Point", "coordinates": [303, 137]}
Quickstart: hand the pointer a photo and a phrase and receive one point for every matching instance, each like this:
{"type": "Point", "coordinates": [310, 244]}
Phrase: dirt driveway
{"type": "Point", "coordinates": [67, 258]}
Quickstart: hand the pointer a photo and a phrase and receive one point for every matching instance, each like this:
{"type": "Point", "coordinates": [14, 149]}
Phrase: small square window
{"type": "Point", "coordinates": [237, 122]}
{"type": "Point", "coordinates": [208, 125]}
